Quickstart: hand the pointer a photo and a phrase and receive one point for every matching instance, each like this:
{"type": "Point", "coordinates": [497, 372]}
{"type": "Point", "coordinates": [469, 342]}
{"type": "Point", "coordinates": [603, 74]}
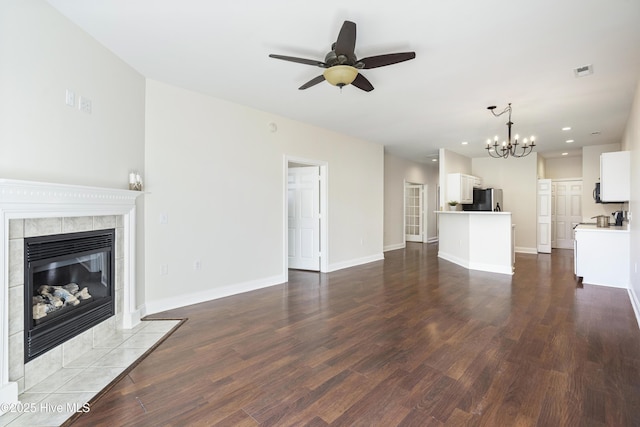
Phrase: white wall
{"type": "Point", "coordinates": [42, 54]}
{"type": "Point", "coordinates": [451, 162]}
{"type": "Point", "coordinates": [542, 173]}
{"type": "Point", "coordinates": [219, 174]}
{"type": "Point", "coordinates": [517, 177]}
{"type": "Point", "coordinates": [631, 142]}
{"type": "Point", "coordinates": [563, 167]}
{"type": "Point", "coordinates": [397, 171]}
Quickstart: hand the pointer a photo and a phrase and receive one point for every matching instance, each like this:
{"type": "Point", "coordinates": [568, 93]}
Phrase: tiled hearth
{"type": "Point", "coordinates": [30, 209]}
{"type": "Point", "coordinates": [52, 400]}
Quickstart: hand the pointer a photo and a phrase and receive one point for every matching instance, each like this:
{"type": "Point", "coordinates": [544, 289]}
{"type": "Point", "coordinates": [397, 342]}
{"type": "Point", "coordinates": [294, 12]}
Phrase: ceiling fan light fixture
{"type": "Point", "coordinates": [340, 75]}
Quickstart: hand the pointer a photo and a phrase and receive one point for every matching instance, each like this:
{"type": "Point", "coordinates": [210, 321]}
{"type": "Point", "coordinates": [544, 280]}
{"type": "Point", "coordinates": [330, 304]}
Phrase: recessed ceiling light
{"type": "Point", "coordinates": [566, 128]}
{"type": "Point", "coordinates": [464, 143]}
{"type": "Point", "coordinates": [569, 141]}
{"type": "Point", "coordinates": [565, 154]}
{"type": "Point", "coordinates": [434, 160]}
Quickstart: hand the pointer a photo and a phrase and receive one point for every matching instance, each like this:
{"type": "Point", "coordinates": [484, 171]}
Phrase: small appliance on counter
{"type": "Point", "coordinates": [488, 199]}
{"type": "Point", "coordinates": [619, 217]}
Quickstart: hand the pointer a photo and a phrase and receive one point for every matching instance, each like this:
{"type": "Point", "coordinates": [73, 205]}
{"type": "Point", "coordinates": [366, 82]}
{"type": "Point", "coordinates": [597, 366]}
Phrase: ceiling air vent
{"type": "Point", "coordinates": [585, 70]}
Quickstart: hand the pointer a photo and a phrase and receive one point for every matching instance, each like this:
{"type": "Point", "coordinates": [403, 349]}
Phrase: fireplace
{"type": "Point", "coordinates": [30, 209]}
{"type": "Point", "coordinates": [69, 287]}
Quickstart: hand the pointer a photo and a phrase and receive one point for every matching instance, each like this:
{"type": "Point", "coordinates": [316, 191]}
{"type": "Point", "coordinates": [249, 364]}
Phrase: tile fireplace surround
{"type": "Point", "coordinates": [35, 208]}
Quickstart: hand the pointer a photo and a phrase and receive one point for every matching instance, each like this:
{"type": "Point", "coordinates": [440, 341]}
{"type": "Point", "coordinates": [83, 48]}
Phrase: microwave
{"type": "Point", "coordinates": [596, 195]}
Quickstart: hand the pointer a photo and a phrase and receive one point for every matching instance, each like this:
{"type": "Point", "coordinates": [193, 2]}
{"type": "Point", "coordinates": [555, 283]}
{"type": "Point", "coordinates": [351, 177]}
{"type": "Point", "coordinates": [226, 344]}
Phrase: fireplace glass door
{"type": "Point", "coordinates": [69, 287]}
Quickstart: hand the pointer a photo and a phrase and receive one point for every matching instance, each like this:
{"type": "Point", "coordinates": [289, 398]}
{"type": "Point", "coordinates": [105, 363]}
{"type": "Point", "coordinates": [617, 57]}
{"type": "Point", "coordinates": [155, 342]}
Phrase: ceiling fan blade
{"type": "Point", "coordinates": [312, 82]}
{"type": "Point", "coordinates": [299, 60]}
{"type": "Point", "coordinates": [361, 82]}
{"type": "Point", "coordinates": [388, 59]}
{"type": "Point", "coordinates": [346, 43]}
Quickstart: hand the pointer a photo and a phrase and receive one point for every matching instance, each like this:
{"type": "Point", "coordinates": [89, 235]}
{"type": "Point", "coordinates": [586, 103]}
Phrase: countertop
{"type": "Point", "coordinates": [611, 228]}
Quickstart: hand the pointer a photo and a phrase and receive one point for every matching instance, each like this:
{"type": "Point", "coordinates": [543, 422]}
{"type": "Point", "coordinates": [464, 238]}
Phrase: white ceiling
{"type": "Point", "coordinates": [469, 54]}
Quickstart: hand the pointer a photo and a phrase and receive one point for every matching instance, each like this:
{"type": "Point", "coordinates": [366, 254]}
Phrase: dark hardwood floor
{"type": "Point", "coordinates": [411, 340]}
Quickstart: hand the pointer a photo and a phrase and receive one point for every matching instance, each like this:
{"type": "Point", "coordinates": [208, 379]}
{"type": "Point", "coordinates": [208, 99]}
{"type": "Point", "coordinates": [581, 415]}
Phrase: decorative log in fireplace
{"type": "Point", "coordinates": [69, 287]}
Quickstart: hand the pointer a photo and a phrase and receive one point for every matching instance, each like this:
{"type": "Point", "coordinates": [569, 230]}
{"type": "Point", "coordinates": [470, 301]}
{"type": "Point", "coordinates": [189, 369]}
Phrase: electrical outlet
{"type": "Point", "coordinates": [164, 269]}
{"type": "Point", "coordinates": [70, 98]}
{"type": "Point", "coordinates": [164, 218]}
{"type": "Point", "coordinates": [84, 104]}
{"type": "Point", "coordinates": [197, 265]}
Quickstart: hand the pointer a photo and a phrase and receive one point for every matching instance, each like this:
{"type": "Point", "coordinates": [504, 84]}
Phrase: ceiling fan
{"type": "Point", "coordinates": [341, 64]}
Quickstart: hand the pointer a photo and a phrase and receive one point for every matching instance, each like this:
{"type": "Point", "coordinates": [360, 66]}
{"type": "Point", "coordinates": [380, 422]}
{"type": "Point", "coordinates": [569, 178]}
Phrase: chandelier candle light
{"type": "Point", "coordinates": [508, 148]}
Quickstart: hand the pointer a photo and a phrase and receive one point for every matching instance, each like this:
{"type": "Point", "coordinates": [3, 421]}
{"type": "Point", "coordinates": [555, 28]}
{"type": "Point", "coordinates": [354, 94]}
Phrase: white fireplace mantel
{"type": "Point", "coordinates": [27, 199]}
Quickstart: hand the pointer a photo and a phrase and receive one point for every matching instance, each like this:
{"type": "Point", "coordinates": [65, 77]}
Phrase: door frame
{"type": "Point", "coordinates": [323, 205]}
{"type": "Point", "coordinates": [554, 181]}
{"type": "Point", "coordinates": [542, 247]}
{"type": "Point", "coordinates": [424, 202]}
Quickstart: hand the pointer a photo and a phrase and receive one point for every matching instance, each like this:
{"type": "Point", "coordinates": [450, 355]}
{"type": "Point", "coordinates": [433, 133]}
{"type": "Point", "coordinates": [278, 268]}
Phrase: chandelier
{"type": "Point", "coordinates": [508, 148]}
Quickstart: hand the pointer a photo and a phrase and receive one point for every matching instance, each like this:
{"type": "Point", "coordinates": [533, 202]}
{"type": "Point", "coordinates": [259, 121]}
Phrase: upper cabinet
{"type": "Point", "coordinates": [460, 187]}
{"type": "Point", "coordinates": [615, 176]}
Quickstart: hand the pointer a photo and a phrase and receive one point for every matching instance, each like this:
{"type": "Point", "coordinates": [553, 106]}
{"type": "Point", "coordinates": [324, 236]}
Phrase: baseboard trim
{"type": "Point", "coordinates": [454, 259]}
{"type": "Point", "coordinates": [157, 306]}
{"type": "Point", "coordinates": [635, 303]}
{"type": "Point", "coordinates": [397, 246]}
{"type": "Point", "coordinates": [490, 268]}
{"type": "Point", "coordinates": [355, 262]}
{"type": "Point", "coordinates": [394, 247]}
{"type": "Point", "coordinates": [143, 311]}
{"type": "Point", "coordinates": [523, 250]}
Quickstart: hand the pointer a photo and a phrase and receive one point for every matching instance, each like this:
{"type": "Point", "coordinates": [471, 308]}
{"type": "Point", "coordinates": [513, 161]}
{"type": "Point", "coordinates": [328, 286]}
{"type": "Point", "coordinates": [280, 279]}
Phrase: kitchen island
{"type": "Point", "coordinates": [601, 255]}
{"type": "Point", "coordinates": [477, 240]}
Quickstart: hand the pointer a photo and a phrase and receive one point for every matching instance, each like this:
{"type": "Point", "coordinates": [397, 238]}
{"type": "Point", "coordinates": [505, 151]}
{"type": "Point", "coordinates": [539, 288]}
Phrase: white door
{"type": "Point", "coordinates": [303, 189]}
{"type": "Point", "coordinates": [413, 212]}
{"type": "Point", "coordinates": [544, 215]}
{"type": "Point", "coordinates": [568, 212]}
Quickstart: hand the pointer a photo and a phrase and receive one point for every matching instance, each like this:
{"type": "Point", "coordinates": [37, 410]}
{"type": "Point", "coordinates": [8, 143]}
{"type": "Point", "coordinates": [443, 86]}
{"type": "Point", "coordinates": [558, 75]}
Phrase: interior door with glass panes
{"type": "Point", "coordinates": [413, 215]}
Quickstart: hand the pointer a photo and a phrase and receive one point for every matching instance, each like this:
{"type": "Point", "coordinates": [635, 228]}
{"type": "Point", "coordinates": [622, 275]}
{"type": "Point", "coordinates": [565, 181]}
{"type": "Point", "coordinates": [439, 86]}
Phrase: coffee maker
{"type": "Point", "coordinates": [619, 217]}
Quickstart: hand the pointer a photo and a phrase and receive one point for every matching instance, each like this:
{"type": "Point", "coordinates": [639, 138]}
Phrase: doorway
{"type": "Point", "coordinates": [567, 211]}
{"type": "Point", "coordinates": [415, 208]}
{"type": "Point", "coordinates": [305, 229]}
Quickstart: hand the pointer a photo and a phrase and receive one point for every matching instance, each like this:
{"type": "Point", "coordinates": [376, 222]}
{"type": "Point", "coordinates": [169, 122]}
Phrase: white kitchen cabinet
{"type": "Point", "coordinates": [615, 176]}
{"type": "Point", "coordinates": [602, 255]}
{"type": "Point", "coordinates": [460, 187]}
